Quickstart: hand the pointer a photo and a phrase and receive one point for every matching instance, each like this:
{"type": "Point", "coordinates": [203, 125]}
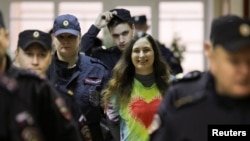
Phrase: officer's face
{"type": "Point", "coordinates": [122, 34]}
{"type": "Point", "coordinates": [34, 59]}
{"type": "Point", "coordinates": [67, 45]}
{"type": "Point", "coordinates": [142, 57]}
{"type": "Point", "coordinates": [232, 71]}
{"type": "Point", "coordinates": [141, 28]}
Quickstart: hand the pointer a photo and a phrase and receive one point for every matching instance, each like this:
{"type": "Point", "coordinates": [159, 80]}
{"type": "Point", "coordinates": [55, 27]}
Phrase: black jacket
{"type": "Point", "coordinates": [31, 107]}
{"type": "Point", "coordinates": [81, 87]}
{"type": "Point", "coordinates": [191, 106]}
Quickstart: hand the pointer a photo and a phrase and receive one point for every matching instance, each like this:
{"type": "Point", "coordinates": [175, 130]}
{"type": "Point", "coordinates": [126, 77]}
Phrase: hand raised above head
{"type": "Point", "coordinates": [104, 18]}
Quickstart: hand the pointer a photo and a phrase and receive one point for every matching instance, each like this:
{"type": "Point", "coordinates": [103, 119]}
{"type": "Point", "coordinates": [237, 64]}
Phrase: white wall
{"type": "Point", "coordinates": [212, 8]}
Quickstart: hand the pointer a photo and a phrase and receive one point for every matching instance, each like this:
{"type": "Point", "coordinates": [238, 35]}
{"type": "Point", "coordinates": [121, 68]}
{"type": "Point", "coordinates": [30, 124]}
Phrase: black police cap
{"type": "Point", "coordinates": [141, 19]}
{"type": "Point", "coordinates": [28, 37]}
{"type": "Point", "coordinates": [231, 32]}
{"type": "Point", "coordinates": [122, 14]}
{"type": "Point", "coordinates": [1, 20]}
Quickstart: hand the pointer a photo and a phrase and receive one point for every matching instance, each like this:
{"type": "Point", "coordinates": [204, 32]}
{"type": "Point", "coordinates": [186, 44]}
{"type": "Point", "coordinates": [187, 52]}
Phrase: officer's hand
{"type": "Point", "coordinates": [104, 18]}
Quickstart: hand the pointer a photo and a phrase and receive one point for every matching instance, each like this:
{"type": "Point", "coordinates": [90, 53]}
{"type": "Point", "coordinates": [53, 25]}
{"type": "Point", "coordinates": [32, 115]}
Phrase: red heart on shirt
{"type": "Point", "coordinates": [144, 111]}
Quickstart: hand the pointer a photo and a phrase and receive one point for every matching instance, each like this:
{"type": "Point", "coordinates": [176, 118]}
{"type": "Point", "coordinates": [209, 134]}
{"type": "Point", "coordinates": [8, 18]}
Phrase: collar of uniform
{"type": "Point", "coordinates": [225, 100]}
{"type": "Point", "coordinates": [117, 50]}
{"type": "Point", "coordinates": [62, 64]}
{"type": "Point", "coordinates": [59, 63]}
{"type": "Point", "coordinates": [209, 81]}
{"type": "Point", "coordinates": [114, 49]}
{"type": "Point", "coordinates": [230, 102]}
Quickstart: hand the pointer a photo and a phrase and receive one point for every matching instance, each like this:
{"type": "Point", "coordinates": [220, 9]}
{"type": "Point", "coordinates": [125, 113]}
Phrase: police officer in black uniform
{"type": "Point", "coordinates": [200, 102]}
{"type": "Point", "coordinates": [78, 77]}
{"type": "Point", "coordinates": [141, 27]}
{"type": "Point", "coordinates": [30, 107]}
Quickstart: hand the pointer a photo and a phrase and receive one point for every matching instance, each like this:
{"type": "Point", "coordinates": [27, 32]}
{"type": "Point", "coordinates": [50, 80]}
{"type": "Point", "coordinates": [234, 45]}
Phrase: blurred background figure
{"type": "Point", "coordinates": [215, 99]}
{"type": "Point", "coordinates": [30, 108]}
{"type": "Point", "coordinates": [141, 27]}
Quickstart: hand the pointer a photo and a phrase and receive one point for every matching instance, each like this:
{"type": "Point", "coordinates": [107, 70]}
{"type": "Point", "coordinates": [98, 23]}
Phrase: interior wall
{"type": "Point", "coordinates": [107, 4]}
{"type": "Point", "coordinates": [237, 7]}
{"type": "Point", "coordinates": [212, 9]}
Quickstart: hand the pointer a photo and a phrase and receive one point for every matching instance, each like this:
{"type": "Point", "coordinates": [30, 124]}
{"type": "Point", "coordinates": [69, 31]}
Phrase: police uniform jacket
{"type": "Point", "coordinates": [35, 111]}
{"type": "Point", "coordinates": [82, 84]}
{"type": "Point", "coordinates": [192, 104]}
{"type": "Point", "coordinates": [109, 56]}
{"type": "Point", "coordinates": [173, 62]}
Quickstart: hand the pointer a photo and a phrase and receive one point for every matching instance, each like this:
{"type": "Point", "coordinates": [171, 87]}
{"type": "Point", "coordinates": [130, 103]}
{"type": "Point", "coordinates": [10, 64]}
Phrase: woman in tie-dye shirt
{"type": "Point", "coordinates": [137, 86]}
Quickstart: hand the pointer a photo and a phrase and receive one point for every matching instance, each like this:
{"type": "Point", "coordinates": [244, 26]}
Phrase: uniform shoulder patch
{"type": "Point", "coordinates": [193, 75]}
{"type": "Point", "coordinates": [91, 60]}
{"type": "Point", "coordinates": [189, 99]}
{"type": "Point", "coordinates": [110, 48]}
{"type": "Point", "coordinates": [8, 83]}
{"type": "Point", "coordinates": [19, 72]}
{"type": "Point", "coordinates": [60, 103]}
{"type": "Point", "coordinates": [31, 134]}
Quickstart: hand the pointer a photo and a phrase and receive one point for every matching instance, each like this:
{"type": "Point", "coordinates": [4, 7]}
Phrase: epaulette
{"type": "Point", "coordinates": [8, 83]}
{"type": "Point", "coordinates": [189, 99]}
{"type": "Point", "coordinates": [111, 49]}
{"type": "Point", "coordinates": [100, 48]}
{"type": "Point", "coordinates": [193, 75]}
{"type": "Point", "coordinates": [95, 60]}
{"type": "Point", "coordinates": [16, 73]}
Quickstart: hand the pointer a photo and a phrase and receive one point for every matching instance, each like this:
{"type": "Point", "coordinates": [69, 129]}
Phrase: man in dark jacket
{"type": "Point", "coordinates": [121, 28]}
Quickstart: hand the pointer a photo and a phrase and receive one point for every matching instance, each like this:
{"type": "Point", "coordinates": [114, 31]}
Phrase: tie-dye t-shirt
{"type": "Point", "coordinates": [135, 116]}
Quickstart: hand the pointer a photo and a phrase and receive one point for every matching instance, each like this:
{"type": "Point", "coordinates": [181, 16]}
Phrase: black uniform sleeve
{"type": "Point", "coordinates": [44, 104]}
{"type": "Point", "coordinates": [173, 62]}
{"type": "Point", "coordinates": [54, 116]}
{"type": "Point", "coordinates": [114, 129]}
{"type": "Point", "coordinates": [88, 40]}
{"type": "Point", "coordinates": [4, 119]}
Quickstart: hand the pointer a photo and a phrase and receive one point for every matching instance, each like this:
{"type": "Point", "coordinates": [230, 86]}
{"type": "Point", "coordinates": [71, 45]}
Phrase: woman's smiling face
{"type": "Point", "coordinates": [143, 56]}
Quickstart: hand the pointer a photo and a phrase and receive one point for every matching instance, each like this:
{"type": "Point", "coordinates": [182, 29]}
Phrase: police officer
{"type": "Point", "coordinates": [121, 28]}
{"type": "Point", "coordinates": [34, 51]}
{"type": "Point", "coordinates": [141, 27]}
{"type": "Point", "coordinates": [31, 109]}
{"type": "Point", "coordinates": [79, 77]}
{"type": "Point", "coordinates": [220, 96]}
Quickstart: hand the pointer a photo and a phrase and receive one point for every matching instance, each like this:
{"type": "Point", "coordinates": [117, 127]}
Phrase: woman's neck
{"type": "Point", "coordinates": [147, 80]}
